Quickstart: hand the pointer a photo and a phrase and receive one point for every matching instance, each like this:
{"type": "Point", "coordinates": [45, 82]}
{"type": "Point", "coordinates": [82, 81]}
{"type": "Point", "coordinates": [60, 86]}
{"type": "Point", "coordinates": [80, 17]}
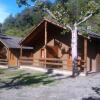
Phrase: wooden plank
{"type": "Point", "coordinates": [85, 56]}
{"type": "Point", "coordinates": [69, 61]}
{"type": "Point", "coordinates": [33, 58]}
{"type": "Point", "coordinates": [51, 63]}
{"type": "Point", "coordinates": [45, 41]}
{"type": "Point", "coordinates": [26, 57]}
{"type": "Point", "coordinates": [45, 33]}
{"type": "Point", "coordinates": [51, 59]}
{"type": "Point", "coordinates": [52, 51]}
{"type": "Point", "coordinates": [21, 50]}
{"type": "Point", "coordinates": [61, 68]}
{"type": "Point", "coordinates": [8, 56]}
{"type": "Point", "coordinates": [26, 61]}
{"type": "Point", "coordinates": [3, 60]}
{"type": "Point", "coordinates": [7, 53]}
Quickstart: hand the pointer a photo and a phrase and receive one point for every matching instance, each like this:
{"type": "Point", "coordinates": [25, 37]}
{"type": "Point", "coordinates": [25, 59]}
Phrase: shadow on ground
{"type": "Point", "coordinates": [96, 89]}
{"type": "Point", "coordinates": [26, 80]}
{"type": "Point", "coordinates": [91, 98]}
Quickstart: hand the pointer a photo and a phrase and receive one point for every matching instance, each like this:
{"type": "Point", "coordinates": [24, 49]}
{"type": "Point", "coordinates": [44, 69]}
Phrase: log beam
{"type": "Point", "coordinates": [8, 56]}
{"type": "Point", "coordinates": [85, 56]}
{"type": "Point", "coordinates": [45, 42]}
{"type": "Point", "coordinates": [21, 52]}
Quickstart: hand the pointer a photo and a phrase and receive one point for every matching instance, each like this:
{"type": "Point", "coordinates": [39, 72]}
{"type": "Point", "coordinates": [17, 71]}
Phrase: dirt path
{"type": "Point", "coordinates": [80, 88]}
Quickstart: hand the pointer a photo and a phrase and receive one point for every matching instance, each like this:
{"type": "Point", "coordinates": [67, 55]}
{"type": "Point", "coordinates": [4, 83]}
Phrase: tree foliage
{"type": "Point", "coordinates": [0, 27]}
{"type": "Point", "coordinates": [66, 11]}
{"type": "Point", "coordinates": [72, 11]}
{"type": "Point", "coordinates": [22, 22]}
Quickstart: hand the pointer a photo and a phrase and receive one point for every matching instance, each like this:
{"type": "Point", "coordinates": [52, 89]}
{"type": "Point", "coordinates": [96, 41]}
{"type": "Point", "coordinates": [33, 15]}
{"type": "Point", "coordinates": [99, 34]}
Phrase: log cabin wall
{"type": "Point", "coordinates": [64, 50]}
{"type": "Point", "coordinates": [13, 56]}
{"type": "Point", "coordinates": [3, 54]}
{"type": "Point", "coordinates": [61, 43]}
{"type": "Point", "coordinates": [91, 56]}
{"type": "Point", "coordinates": [26, 57]}
{"type": "Point", "coordinates": [27, 53]}
{"type": "Point", "coordinates": [37, 55]}
{"type": "Point", "coordinates": [3, 51]}
{"type": "Point", "coordinates": [98, 56]}
{"type": "Point", "coordinates": [98, 62]}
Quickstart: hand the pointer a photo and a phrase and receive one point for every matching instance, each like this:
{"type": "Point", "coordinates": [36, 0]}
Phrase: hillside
{"type": "Point", "coordinates": [23, 22]}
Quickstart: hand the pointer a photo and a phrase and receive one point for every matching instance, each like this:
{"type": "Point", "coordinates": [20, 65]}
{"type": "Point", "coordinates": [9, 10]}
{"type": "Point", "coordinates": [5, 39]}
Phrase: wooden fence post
{"type": "Point", "coordinates": [45, 42]}
{"type": "Point", "coordinates": [85, 56]}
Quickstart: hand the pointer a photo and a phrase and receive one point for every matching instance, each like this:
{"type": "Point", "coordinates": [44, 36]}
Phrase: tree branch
{"type": "Point", "coordinates": [68, 26]}
{"type": "Point", "coordinates": [86, 18]}
{"type": "Point", "coordinates": [50, 13]}
{"type": "Point", "coordinates": [53, 16]}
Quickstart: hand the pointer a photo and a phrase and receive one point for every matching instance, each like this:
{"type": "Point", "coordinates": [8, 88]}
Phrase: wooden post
{"type": "Point", "coordinates": [85, 56]}
{"type": "Point", "coordinates": [8, 56]}
{"type": "Point", "coordinates": [20, 55]}
{"type": "Point", "coordinates": [33, 58]}
{"type": "Point", "coordinates": [21, 52]}
{"type": "Point", "coordinates": [45, 42]}
{"type": "Point", "coordinates": [7, 53]}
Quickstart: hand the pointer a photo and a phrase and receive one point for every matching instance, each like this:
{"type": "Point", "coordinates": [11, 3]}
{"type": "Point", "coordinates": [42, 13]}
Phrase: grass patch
{"type": "Point", "coordinates": [14, 78]}
{"type": "Point", "coordinates": [2, 71]}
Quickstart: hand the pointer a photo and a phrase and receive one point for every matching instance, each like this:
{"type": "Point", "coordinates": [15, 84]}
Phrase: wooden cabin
{"type": "Point", "coordinates": [9, 50]}
{"type": "Point", "coordinates": [52, 49]}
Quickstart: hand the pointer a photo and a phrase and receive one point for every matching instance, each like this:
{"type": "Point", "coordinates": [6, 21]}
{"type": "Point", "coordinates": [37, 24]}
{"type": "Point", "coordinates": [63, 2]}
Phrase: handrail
{"type": "Point", "coordinates": [51, 59]}
{"type": "Point", "coordinates": [51, 63]}
{"type": "Point", "coordinates": [26, 58]}
{"type": "Point", "coordinates": [3, 60]}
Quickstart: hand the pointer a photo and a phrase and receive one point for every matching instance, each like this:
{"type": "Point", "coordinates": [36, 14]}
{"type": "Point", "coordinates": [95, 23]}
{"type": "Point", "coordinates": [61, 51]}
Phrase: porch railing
{"type": "Point", "coordinates": [3, 61]}
{"type": "Point", "coordinates": [26, 61]}
{"type": "Point", "coordinates": [54, 63]}
{"type": "Point", "coordinates": [49, 62]}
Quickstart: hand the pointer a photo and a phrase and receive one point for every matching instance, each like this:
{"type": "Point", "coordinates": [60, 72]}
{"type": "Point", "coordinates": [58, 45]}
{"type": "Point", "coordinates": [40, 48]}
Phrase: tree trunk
{"type": "Point", "coordinates": [74, 51]}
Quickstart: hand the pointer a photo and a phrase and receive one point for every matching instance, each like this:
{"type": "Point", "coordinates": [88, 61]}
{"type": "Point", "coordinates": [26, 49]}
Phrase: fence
{"type": "Point", "coordinates": [26, 61]}
{"type": "Point", "coordinates": [54, 63]}
{"type": "Point", "coordinates": [3, 62]}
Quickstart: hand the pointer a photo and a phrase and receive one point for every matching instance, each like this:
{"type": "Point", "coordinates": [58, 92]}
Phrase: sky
{"type": "Point", "coordinates": [8, 7]}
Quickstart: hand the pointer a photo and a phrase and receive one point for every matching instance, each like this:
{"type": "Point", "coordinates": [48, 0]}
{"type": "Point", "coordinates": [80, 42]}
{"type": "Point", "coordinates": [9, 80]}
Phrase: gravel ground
{"type": "Point", "coordinates": [66, 88]}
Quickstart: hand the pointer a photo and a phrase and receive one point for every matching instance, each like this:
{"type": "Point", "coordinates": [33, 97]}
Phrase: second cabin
{"type": "Point", "coordinates": [9, 50]}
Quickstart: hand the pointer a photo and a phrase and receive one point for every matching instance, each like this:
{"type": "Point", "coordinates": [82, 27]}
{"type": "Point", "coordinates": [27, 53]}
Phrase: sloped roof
{"type": "Point", "coordinates": [10, 41]}
{"type": "Point", "coordinates": [94, 35]}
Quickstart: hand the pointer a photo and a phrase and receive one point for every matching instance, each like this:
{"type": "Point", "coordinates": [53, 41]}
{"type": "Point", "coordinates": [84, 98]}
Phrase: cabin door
{"type": "Point", "coordinates": [12, 60]}
{"type": "Point", "coordinates": [98, 62]}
